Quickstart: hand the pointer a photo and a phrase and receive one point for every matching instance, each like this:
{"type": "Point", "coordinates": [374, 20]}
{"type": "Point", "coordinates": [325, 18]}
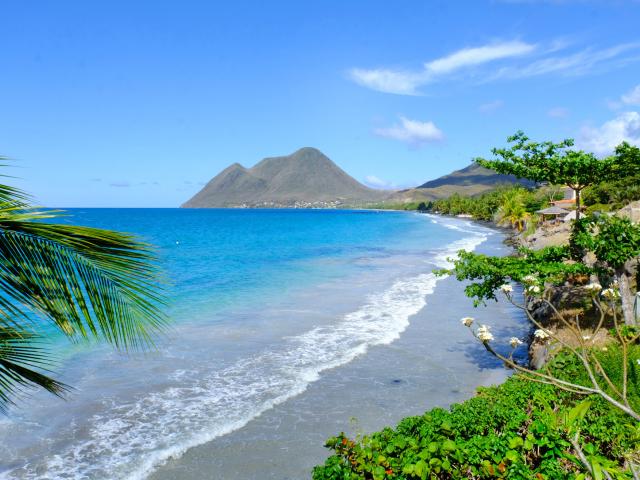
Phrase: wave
{"type": "Point", "coordinates": [130, 440]}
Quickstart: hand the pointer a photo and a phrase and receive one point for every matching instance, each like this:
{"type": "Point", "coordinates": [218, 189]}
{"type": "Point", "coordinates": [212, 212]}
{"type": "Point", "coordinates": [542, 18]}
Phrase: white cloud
{"type": "Point", "coordinates": [468, 63]}
{"type": "Point", "coordinates": [413, 132]}
{"type": "Point", "coordinates": [388, 81]}
{"type": "Point", "coordinates": [478, 55]}
{"type": "Point", "coordinates": [376, 182]}
{"type": "Point", "coordinates": [602, 140]}
{"type": "Point", "coordinates": [491, 107]}
{"type": "Point", "coordinates": [575, 64]}
{"type": "Point", "coordinates": [632, 97]}
{"type": "Point", "coordinates": [558, 112]}
{"type": "Point", "coordinates": [405, 82]}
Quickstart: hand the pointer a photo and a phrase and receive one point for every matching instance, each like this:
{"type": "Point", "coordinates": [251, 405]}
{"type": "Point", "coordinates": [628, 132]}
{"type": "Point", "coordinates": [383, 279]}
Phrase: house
{"type": "Point", "coordinates": [568, 200]}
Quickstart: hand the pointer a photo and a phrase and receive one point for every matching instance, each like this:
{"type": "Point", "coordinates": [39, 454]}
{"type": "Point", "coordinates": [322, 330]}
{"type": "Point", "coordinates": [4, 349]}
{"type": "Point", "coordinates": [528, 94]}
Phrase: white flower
{"type": "Point", "coordinates": [586, 337]}
{"type": "Point", "coordinates": [610, 294]}
{"type": "Point", "coordinates": [593, 288]}
{"type": "Point", "coordinates": [484, 334]}
{"type": "Point", "coordinates": [533, 289]}
{"type": "Point", "coordinates": [514, 342]}
{"type": "Point", "coordinates": [506, 288]}
{"type": "Point", "coordinates": [467, 321]}
{"type": "Point", "coordinates": [638, 361]}
{"type": "Point", "coordinates": [541, 334]}
{"type": "Point", "coordinates": [530, 279]}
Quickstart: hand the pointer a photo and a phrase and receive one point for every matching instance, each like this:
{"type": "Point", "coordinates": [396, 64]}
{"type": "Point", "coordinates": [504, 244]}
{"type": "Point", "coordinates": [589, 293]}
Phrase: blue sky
{"type": "Point", "coordinates": [137, 104]}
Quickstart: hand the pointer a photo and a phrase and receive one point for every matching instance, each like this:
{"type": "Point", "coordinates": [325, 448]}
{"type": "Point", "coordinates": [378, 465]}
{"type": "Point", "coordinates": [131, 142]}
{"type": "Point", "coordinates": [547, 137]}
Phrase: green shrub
{"type": "Point", "coordinates": [510, 431]}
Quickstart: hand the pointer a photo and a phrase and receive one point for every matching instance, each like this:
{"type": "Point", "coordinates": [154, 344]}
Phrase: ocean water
{"type": "Point", "coordinates": [286, 324]}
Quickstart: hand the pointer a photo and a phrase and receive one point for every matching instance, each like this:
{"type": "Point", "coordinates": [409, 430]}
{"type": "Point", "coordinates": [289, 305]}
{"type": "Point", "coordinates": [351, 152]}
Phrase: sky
{"type": "Point", "coordinates": [139, 104]}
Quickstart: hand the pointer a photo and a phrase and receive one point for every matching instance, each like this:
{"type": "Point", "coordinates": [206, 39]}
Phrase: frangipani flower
{"type": "Point", "coordinates": [467, 321]}
{"type": "Point", "coordinates": [483, 334]}
{"type": "Point", "coordinates": [515, 341]}
{"type": "Point", "coordinates": [610, 294]}
{"type": "Point", "coordinates": [506, 288]}
{"type": "Point", "coordinates": [593, 288]}
{"type": "Point", "coordinates": [533, 289]}
{"type": "Point", "coordinates": [542, 334]}
{"type": "Point", "coordinates": [530, 279]}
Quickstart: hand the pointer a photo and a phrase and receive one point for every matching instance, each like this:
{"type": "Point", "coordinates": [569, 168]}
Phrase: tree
{"type": "Point", "coordinates": [556, 163]}
{"type": "Point", "coordinates": [512, 211]}
{"type": "Point", "coordinates": [86, 282]}
{"type": "Point", "coordinates": [615, 242]}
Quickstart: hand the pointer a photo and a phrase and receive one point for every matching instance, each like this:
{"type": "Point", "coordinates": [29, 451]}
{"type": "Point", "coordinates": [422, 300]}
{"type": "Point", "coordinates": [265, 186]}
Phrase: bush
{"type": "Point", "coordinates": [509, 431]}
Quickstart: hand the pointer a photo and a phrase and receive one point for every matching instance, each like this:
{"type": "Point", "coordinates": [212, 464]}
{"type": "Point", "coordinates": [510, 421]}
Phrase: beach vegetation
{"type": "Point", "coordinates": [518, 430]}
{"type": "Point", "coordinates": [559, 164]}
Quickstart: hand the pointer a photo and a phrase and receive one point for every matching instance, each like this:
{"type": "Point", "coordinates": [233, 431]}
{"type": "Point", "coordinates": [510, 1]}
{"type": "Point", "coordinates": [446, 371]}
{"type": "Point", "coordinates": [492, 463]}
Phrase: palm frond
{"type": "Point", "coordinates": [22, 363]}
{"type": "Point", "coordinates": [90, 282]}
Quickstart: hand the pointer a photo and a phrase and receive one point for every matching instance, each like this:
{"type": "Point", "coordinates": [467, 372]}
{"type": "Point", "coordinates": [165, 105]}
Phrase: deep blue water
{"type": "Point", "coordinates": [262, 302]}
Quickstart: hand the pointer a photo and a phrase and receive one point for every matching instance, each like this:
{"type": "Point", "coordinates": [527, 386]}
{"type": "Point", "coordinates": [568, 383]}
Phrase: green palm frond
{"type": "Point", "coordinates": [88, 282]}
{"type": "Point", "coordinates": [22, 362]}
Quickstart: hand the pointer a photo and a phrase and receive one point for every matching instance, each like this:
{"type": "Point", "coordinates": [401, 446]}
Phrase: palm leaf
{"type": "Point", "coordinates": [88, 282]}
{"type": "Point", "coordinates": [21, 364]}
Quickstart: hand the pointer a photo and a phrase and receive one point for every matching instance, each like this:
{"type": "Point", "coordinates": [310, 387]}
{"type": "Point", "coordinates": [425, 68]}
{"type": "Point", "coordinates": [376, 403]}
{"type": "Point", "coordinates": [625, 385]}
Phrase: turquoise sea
{"type": "Point", "coordinates": [285, 324]}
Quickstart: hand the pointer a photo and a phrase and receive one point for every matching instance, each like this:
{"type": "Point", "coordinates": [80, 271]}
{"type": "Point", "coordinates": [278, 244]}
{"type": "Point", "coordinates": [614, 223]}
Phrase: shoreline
{"type": "Point", "coordinates": [410, 392]}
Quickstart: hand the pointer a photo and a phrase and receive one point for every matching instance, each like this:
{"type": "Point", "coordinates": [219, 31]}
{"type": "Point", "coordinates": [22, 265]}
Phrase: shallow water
{"type": "Point", "coordinates": [286, 325]}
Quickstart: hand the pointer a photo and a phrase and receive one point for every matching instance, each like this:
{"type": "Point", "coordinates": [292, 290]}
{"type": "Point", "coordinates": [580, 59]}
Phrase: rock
{"type": "Point", "coordinates": [631, 211]}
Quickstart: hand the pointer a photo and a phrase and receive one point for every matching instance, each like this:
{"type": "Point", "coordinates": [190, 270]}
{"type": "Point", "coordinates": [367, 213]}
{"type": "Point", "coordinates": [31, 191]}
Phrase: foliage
{"type": "Point", "coordinates": [613, 194]}
{"type": "Point", "coordinates": [484, 207]}
{"type": "Point", "coordinates": [487, 274]}
{"type": "Point", "coordinates": [518, 430]}
{"type": "Point", "coordinates": [613, 240]}
{"type": "Point", "coordinates": [557, 163]}
{"type": "Point", "coordinates": [86, 282]}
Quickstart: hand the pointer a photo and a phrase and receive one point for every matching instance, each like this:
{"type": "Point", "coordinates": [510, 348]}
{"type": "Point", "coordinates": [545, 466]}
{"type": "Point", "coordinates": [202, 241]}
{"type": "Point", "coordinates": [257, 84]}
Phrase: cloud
{"type": "Point", "coordinates": [120, 184]}
{"type": "Point", "coordinates": [558, 112]}
{"type": "Point", "coordinates": [491, 107]}
{"type": "Point", "coordinates": [468, 57]}
{"type": "Point", "coordinates": [602, 140]}
{"type": "Point", "coordinates": [413, 132]}
{"type": "Point", "coordinates": [524, 60]}
{"type": "Point", "coordinates": [575, 64]}
{"type": "Point", "coordinates": [632, 97]}
{"type": "Point", "coordinates": [375, 182]}
{"type": "Point", "coordinates": [406, 82]}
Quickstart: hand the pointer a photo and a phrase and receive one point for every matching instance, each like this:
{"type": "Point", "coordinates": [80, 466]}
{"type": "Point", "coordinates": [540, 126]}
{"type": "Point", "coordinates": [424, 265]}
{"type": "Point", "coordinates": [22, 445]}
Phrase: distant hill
{"type": "Point", "coordinates": [306, 178]}
{"type": "Point", "coordinates": [471, 180]}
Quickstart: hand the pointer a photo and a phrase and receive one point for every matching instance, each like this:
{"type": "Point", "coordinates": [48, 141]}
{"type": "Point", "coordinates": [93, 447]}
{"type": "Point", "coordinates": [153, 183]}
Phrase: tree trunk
{"type": "Point", "coordinates": [577, 204]}
{"type": "Point", "coordinates": [623, 275]}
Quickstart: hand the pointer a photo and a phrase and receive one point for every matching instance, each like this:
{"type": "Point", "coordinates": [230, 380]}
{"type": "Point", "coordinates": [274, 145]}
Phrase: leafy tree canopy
{"type": "Point", "coordinates": [488, 274]}
{"type": "Point", "coordinates": [557, 163]}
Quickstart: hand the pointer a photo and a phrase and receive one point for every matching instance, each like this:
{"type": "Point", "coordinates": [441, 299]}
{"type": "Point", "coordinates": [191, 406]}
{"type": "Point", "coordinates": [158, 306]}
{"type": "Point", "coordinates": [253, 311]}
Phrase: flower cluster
{"type": "Point", "coordinates": [530, 279]}
{"type": "Point", "coordinates": [514, 342]}
{"type": "Point", "coordinates": [506, 288]}
{"type": "Point", "coordinates": [467, 321]}
{"type": "Point", "coordinates": [593, 288]}
{"type": "Point", "coordinates": [483, 334]}
{"type": "Point", "coordinates": [533, 289]}
{"type": "Point", "coordinates": [542, 334]}
{"type": "Point", "coordinates": [610, 294]}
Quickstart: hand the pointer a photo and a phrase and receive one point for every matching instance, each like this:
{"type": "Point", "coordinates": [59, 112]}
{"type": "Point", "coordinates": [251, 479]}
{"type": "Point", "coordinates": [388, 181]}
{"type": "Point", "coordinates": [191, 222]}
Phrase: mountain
{"type": "Point", "coordinates": [472, 180]}
{"type": "Point", "coordinates": [306, 178]}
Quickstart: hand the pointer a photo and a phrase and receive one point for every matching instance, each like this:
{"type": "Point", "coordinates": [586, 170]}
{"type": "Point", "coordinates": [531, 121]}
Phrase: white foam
{"type": "Point", "coordinates": [131, 439]}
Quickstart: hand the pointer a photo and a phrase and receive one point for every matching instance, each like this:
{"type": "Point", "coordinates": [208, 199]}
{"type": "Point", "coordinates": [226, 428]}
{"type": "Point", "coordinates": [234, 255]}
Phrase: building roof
{"type": "Point", "coordinates": [553, 211]}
